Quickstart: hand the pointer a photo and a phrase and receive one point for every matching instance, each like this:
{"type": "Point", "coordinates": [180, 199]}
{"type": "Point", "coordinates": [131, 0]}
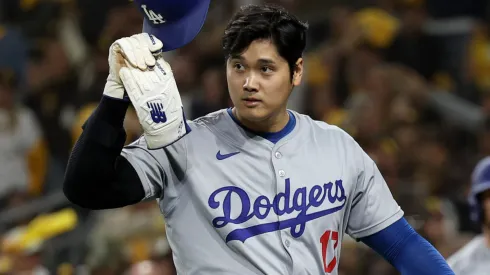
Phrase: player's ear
{"type": "Point", "coordinates": [298, 72]}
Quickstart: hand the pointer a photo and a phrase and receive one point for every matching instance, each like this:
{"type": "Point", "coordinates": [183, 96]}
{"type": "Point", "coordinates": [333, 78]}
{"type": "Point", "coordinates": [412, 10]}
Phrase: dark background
{"type": "Point", "coordinates": [409, 79]}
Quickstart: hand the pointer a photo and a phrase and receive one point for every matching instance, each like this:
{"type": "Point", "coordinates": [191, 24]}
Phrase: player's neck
{"type": "Point", "coordinates": [273, 124]}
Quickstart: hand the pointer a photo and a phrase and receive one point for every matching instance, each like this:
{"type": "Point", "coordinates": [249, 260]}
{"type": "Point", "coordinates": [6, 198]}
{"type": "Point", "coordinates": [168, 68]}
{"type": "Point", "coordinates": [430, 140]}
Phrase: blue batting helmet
{"type": "Point", "coordinates": [480, 182]}
{"type": "Point", "coordinates": [174, 22]}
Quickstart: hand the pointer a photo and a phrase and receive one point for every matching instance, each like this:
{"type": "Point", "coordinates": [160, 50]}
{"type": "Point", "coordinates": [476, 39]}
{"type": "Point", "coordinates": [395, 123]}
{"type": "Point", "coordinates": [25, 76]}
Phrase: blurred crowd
{"type": "Point", "coordinates": [409, 79]}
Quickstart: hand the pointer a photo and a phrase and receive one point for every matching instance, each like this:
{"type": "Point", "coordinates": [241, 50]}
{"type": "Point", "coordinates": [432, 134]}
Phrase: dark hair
{"type": "Point", "coordinates": [253, 22]}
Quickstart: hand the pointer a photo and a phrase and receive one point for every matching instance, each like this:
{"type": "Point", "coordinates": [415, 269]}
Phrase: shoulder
{"type": "Point", "coordinates": [333, 140]}
{"type": "Point", "coordinates": [209, 120]}
{"type": "Point", "coordinates": [461, 258]}
{"type": "Point", "coordinates": [326, 132]}
{"type": "Point", "coordinates": [213, 126]}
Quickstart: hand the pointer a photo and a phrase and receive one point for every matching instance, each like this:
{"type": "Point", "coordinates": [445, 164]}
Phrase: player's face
{"type": "Point", "coordinates": [259, 83]}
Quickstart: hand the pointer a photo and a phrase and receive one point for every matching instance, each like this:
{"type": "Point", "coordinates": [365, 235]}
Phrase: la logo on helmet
{"type": "Point", "coordinates": [156, 18]}
{"type": "Point", "coordinates": [176, 22]}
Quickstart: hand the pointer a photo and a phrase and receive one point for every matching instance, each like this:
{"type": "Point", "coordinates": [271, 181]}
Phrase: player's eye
{"type": "Point", "coordinates": [238, 67]}
{"type": "Point", "coordinates": [267, 69]}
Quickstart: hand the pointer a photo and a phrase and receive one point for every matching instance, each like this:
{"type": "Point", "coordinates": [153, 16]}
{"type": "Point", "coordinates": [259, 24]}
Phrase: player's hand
{"type": "Point", "coordinates": [137, 51]}
{"type": "Point", "coordinates": [157, 102]}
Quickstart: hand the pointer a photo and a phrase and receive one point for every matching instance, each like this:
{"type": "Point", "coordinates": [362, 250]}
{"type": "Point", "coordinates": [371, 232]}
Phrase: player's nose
{"type": "Point", "coordinates": [250, 84]}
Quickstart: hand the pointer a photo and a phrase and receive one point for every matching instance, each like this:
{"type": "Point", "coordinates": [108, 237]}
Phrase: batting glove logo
{"type": "Point", "coordinates": [156, 112]}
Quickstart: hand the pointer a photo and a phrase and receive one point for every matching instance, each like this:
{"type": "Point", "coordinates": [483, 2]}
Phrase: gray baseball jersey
{"type": "Point", "coordinates": [236, 203]}
{"type": "Point", "coordinates": [472, 259]}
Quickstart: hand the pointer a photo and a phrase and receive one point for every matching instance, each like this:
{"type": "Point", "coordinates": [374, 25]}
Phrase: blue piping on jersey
{"type": "Point", "coordinates": [272, 137]}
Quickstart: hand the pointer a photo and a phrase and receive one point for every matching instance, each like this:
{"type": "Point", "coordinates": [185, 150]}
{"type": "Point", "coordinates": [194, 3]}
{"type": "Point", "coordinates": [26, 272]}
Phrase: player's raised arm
{"type": "Point", "coordinates": [100, 174]}
{"type": "Point", "coordinates": [377, 220]}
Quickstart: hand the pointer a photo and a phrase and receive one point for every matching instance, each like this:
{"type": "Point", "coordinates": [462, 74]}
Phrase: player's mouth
{"type": "Point", "coordinates": [251, 101]}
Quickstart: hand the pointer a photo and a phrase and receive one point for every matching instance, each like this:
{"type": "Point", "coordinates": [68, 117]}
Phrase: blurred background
{"type": "Point", "coordinates": [409, 79]}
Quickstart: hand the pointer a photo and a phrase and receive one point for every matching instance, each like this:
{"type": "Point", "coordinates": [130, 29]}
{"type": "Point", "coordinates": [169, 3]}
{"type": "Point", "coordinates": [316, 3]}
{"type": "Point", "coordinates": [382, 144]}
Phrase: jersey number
{"type": "Point", "coordinates": [152, 16]}
{"type": "Point", "coordinates": [325, 240]}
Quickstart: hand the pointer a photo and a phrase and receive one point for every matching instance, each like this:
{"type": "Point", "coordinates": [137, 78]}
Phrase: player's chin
{"type": "Point", "coordinates": [255, 112]}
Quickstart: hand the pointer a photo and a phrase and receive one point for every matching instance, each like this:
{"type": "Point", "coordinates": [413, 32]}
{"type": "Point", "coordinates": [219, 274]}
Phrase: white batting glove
{"type": "Point", "coordinates": [157, 102]}
{"type": "Point", "coordinates": [136, 51]}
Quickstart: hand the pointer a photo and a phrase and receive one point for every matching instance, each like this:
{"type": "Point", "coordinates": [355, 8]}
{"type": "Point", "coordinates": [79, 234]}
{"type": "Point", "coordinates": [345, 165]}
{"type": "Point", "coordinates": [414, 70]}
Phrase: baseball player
{"type": "Point", "coordinates": [474, 257]}
{"type": "Point", "coordinates": [253, 189]}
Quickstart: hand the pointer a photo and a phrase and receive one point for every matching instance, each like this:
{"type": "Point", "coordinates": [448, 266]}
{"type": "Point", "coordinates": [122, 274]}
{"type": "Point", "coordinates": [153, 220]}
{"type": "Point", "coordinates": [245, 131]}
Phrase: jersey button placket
{"type": "Point", "coordinates": [282, 174]}
{"type": "Point", "coordinates": [278, 155]}
{"type": "Point", "coordinates": [278, 163]}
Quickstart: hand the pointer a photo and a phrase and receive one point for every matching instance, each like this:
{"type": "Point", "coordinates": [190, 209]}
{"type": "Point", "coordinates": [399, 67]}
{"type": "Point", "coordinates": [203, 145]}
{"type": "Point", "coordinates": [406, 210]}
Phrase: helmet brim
{"type": "Point", "coordinates": [177, 34]}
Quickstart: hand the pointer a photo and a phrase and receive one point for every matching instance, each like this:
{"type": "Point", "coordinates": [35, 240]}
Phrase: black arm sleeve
{"type": "Point", "coordinates": [97, 176]}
